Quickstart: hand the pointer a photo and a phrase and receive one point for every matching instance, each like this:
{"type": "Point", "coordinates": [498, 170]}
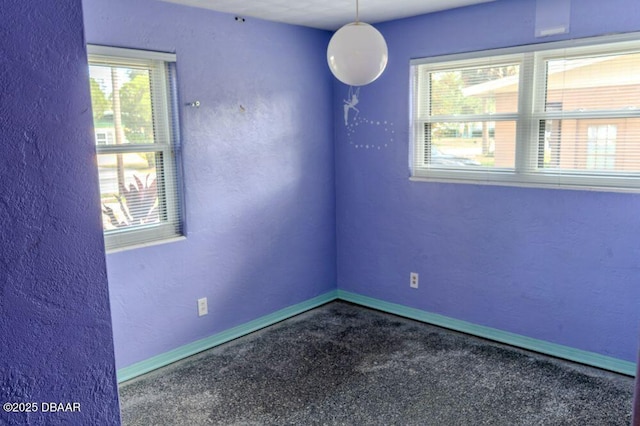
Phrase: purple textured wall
{"type": "Point", "coordinates": [259, 176]}
{"type": "Point", "coordinates": [556, 265]}
{"type": "Point", "coordinates": [55, 326]}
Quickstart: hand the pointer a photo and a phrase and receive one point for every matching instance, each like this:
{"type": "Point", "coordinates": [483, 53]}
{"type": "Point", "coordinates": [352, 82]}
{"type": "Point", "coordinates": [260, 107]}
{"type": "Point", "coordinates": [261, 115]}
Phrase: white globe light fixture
{"type": "Point", "coordinates": [357, 53]}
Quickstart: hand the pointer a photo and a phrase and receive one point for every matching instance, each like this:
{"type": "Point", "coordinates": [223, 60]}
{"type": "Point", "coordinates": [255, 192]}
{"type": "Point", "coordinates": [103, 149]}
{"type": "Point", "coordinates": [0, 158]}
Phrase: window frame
{"type": "Point", "coordinates": [530, 114]}
{"type": "Point", "coordinates": [166, 145]}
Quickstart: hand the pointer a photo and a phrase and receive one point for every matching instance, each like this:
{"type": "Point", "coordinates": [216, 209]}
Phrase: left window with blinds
{"type": "Point", "coordinates": [137, 141]}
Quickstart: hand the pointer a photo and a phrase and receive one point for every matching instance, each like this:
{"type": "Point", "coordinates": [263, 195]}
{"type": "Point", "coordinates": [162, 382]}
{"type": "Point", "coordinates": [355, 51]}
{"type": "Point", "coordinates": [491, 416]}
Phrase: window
{"type": "Point", "coordinates": [104, 136]}
{"type": "Point", "coordinates": [601, 147]}
{"type": "Point", "coordinates": [563, 114]}
{"type": "Point", "coordinates": [137, 145]}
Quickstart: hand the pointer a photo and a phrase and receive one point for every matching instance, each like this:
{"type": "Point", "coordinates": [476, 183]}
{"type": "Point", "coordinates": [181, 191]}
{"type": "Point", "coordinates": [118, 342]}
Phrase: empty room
{"type": "Point", "coordinates": [272, 212]}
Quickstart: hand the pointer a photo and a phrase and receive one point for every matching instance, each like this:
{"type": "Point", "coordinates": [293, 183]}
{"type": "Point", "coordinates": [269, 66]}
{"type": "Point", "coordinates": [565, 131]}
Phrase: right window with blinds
{"type": "Point", "coordinates": [556, 115]}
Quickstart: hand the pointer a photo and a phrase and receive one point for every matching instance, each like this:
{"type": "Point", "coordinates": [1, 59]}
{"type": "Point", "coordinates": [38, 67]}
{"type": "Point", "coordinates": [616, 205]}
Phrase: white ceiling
{"type": "Point", "coordinates": [327, 14]}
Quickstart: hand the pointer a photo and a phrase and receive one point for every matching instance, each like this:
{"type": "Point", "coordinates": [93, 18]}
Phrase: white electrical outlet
{"type": "Point", "coordinates": [413, 280]}
{"type": "Point", "coordinates": [202, 307]}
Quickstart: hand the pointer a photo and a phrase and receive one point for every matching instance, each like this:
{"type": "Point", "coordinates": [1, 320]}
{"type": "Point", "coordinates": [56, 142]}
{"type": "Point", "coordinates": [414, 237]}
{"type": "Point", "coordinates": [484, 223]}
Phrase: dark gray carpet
{"type": "Point", "coordinates": [348, 365]}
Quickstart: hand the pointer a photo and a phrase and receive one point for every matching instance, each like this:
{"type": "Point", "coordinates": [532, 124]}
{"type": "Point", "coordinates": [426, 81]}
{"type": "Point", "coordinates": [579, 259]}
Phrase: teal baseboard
{"type": "Point", "coordinates": [535, 345]}
{"type": "Point", "coordinates": [142, 367]}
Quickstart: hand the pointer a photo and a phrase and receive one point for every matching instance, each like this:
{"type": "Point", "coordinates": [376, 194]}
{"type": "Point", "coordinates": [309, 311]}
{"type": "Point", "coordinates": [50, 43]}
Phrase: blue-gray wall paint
{"type": "Point", "coordinates": [55, 327]}
{"type": "Point", "coordinates": [556, 265]}
{"type": "Point", "coordinates": [259, 177]}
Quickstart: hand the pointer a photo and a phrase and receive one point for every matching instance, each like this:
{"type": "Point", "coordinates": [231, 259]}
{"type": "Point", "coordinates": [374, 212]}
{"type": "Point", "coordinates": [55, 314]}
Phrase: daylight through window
{"type": "Point", "coordinates": [561, 114]}
{"type": "Point", "coordinates": [136, 143]}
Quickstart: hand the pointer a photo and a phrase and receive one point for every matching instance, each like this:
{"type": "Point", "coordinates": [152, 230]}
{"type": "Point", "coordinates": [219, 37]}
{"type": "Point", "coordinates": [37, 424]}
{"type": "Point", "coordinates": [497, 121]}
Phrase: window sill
{"type": "Point", "coordinates": [521, 184]}
{"type": "Point", "coordinates": [147, 244]}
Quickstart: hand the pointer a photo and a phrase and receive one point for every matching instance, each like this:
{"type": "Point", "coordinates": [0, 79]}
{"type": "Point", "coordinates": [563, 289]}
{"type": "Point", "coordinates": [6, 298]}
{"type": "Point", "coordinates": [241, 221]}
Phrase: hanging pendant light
{"type": "Point", "coordinates": [357, 53]}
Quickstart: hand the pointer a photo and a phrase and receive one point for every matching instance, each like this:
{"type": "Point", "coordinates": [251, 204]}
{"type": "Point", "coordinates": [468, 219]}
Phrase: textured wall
{"type": "Point", "coordinates": [556, 265]}
{"type": "Point", "coordinates": [259, 178]}
{"type": "Point", "coordinates": [55, 327]}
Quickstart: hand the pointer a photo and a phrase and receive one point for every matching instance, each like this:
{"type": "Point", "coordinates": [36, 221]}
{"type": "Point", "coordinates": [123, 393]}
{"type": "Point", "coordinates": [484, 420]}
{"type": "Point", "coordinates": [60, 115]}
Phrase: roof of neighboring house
{"type": "Point", "coordinates": [105, 122]}
{"type": "Point", "coordinates": [555, 67]}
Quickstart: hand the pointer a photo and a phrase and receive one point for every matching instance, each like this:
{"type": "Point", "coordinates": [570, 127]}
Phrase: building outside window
{"type": "Point", "coordinates": [104, 132]}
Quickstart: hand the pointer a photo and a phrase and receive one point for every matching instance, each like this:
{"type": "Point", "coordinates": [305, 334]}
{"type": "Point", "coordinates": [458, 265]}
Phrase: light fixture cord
{"type": "Point", "coordinates": [357, 12]}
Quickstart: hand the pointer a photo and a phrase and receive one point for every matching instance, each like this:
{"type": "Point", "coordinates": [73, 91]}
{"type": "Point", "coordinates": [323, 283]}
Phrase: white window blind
{"type": "Point", "coordinates": [137, 145]}
{"type": "Point", "coordinates": [460, 113]}
{"type": "Point", "coordinates": [560, 114]}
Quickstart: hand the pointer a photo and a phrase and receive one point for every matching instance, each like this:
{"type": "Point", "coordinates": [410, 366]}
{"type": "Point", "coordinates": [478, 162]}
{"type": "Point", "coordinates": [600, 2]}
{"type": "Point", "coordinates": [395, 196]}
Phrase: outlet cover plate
{"type": "Point", "coordinates": [413, 280]}
{"type": "Point", "coordinates": [202, 307]}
